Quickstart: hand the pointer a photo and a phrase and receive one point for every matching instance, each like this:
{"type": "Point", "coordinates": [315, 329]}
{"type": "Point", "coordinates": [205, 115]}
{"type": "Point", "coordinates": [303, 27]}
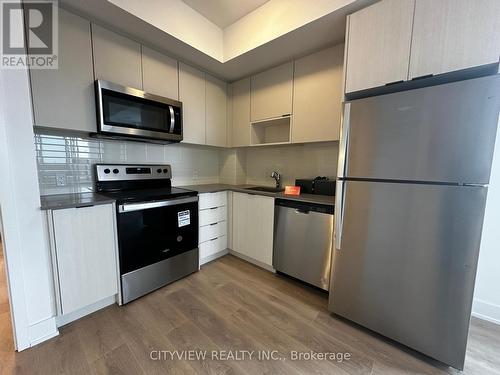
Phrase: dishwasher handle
{"type": "Point", "coordinates": [305, 207]}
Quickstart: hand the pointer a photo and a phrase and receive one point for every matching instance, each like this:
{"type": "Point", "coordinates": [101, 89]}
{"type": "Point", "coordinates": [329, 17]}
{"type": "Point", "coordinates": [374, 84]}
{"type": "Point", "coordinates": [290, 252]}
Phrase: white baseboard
{"type": "Point", "coordinates": [42, 331]}
{"type": "Point", "coordinates": [213, 256]}
{"type": "Point", "coordinates": [75, 315]}
{"type": "Point", "coordinates": [253, 261]}
{"type": "Point", "coordinates": [486, 311]}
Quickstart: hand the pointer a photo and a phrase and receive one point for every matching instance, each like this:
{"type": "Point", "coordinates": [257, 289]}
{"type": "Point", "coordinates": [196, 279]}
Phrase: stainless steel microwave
{"type": "Point", "coordinates": [128, 112]}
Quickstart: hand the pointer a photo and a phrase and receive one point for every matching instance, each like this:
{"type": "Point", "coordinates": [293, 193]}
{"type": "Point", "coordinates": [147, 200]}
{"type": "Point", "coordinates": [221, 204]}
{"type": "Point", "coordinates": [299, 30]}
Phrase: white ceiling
{"type": "Point", "coordinates": [224, 12]}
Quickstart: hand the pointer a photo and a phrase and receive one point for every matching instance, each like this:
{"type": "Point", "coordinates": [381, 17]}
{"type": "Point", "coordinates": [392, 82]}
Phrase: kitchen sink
{"type": "Point", "coordinates": [266, 189]}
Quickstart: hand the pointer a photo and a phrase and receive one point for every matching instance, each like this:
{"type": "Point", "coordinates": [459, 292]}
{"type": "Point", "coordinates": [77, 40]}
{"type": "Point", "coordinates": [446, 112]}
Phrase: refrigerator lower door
{"type": "Point", "coordinates": [407, 262]}
{"type": "Point", "coordinates": [441, 133]}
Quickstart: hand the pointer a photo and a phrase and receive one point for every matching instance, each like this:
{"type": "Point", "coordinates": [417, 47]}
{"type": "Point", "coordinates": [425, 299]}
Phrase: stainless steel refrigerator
{"type": "Point", "coordinates": [412, 182]}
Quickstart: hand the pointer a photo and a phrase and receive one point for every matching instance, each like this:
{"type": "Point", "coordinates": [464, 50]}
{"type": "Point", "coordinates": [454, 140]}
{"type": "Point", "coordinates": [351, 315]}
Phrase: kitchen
{"type": "Point", "coordinates": [94, 182]}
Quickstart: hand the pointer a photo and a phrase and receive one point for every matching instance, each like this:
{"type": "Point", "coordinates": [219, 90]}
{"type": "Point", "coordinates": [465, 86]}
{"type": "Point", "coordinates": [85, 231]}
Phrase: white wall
{"type": "Point", "coordinates": [487, 292]}
{"type": "Point", "coordinates": [272, 20]}
{"type": "Point", "coordinates": [26, 248]}
{"type": "Point", "coordinates": [179, 20]}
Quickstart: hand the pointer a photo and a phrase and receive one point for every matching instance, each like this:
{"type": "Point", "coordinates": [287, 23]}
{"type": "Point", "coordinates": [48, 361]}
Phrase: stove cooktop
{"type": "Point", "coordinates": [148, 195]}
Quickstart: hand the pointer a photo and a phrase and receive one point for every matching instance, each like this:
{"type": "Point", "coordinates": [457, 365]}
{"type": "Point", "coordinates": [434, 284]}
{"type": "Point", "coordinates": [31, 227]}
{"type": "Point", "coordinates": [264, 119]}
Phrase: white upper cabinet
{"type": "Point", "coordinates": [160, 74]}
{"type": "Point", "coordinates": [216, 95]}
{"type": "Point", "coordinates": [271, 93]}
{"type": "Point", "coordinates": [192, 96]}
{"type": "Point", "coordinates": [450, 35]}
{"type": "Point", "coordinates": [116, 59]}
{"type": "Point", "coordinates": [240, 99]}
{"type": "Point", "coordinates": [379, 39]}
{"type": "Point", "coordinates": [64, 97]}
{"type": "Point", "coordinates": [317, 96]}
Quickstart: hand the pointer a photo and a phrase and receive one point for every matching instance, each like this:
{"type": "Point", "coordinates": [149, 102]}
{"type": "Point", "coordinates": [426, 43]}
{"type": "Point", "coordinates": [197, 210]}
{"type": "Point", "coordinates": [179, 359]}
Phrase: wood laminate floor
{"type": "Point", "coordinates": [232, 305]}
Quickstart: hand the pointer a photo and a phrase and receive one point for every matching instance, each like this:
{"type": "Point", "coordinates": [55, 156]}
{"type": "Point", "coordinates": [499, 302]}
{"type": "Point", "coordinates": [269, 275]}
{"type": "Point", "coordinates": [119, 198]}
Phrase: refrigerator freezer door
{"type": "Point", "coordinates": [441, 133]}
{"type": "Point", "coordinates": [407, 263]}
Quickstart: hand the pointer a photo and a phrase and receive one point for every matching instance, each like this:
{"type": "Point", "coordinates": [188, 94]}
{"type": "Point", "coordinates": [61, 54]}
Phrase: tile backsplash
{"type": "Point", "coordinates": [65, 163]}
{"type": "Point", "coordinates": [291, 161]}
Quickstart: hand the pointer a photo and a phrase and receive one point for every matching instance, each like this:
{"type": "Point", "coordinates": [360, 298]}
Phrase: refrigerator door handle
{"type": "Point", "coordinates": [339, 213]}
{"type": "Point", "coordinates": [344, 137]}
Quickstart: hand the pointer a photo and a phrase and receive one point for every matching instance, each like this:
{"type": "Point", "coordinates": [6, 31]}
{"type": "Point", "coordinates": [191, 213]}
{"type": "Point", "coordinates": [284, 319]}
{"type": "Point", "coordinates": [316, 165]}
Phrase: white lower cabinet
{"type": "Point", "coordinates": [84, 247]}
{"type": "Point", "coordinates": [253, 227]}
{"type": "Point", "coordinates": [213, 225]}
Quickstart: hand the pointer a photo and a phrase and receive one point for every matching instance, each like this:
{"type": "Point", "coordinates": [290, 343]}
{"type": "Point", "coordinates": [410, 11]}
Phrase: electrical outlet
{"type": "Point", "coordinates": [60, 180]}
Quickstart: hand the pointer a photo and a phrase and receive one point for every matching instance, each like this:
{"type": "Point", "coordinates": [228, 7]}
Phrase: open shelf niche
{"type": "Point", "coordinates": [271, 131]}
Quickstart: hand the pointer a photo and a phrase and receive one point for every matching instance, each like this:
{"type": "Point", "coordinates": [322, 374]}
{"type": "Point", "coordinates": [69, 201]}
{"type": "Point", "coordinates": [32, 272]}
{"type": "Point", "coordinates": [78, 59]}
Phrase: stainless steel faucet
{"type": "Point", "coordinates": [277, 177]}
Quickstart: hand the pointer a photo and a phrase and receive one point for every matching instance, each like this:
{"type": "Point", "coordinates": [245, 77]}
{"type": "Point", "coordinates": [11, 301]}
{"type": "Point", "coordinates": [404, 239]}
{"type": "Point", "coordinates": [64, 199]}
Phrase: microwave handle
{"type": "Point", "coordinates": [172, 118]}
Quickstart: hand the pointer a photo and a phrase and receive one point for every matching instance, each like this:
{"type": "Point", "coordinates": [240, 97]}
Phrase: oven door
{"type": "Point", "coordinates": [130, 112]}
{"type": "Point", "coordinates": [154, 231]}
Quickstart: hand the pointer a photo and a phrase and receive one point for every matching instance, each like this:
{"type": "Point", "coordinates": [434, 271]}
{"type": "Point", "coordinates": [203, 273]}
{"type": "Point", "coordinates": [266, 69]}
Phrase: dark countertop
{"type": "Point", "coordinates": [309, 198]}
{"type": "Point", "coordinates": [73, 200]}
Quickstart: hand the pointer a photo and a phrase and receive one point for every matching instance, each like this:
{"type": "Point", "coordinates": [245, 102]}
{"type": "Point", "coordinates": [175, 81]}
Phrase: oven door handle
{"type": "Point", "coordinates": [147, 205]}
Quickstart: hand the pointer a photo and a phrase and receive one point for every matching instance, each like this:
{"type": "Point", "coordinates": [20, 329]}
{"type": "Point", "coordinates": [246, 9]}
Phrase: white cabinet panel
{"type": "Point", "coordinates": [160, 74]}
{"type": "Point", "coordinates": [211, 231]}
{"type": "Point", "coordinates": [192, 96]}
{"type": "Point", "coordinates": [216, 98]}
{"type": "Point", "coordinates": [211, 200]}
{"type": "Point", "coordinates": [212, 215]}
{"type": "Point", "coordinates": [64, 97]}
{"type": "Point", "coordinates": [240, 113]}
{"type": "Point", "coordinates": [85, 242]}
{"type": "Point", "coordinates": [317, 96]}
{"type": "Point", "coordinates": [116, 58]}
{"type": "Point", "coordinates": [212, 247]}
{"type": "Point", "coordinates": [271, 93]}
{"type": "Point", "coordinates": [450, 35]}
{"type": "Point", "coordinates": [378, 50]}
{"type": "Point", "coordinates": [253, 226]}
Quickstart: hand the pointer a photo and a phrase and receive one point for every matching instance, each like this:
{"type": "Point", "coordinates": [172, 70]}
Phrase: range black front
{"type": "Point", "coordinates": [150, 235]}
{"type": "Point", "coordinates": [157, 226]}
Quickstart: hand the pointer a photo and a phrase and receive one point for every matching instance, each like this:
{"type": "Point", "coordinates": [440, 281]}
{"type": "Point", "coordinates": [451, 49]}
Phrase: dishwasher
{"type": "Point", "coordinates": [303, 241]}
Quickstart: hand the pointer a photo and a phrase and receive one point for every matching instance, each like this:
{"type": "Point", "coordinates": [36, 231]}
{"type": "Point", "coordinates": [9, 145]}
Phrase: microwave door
{"type": "Point", "coordinates": [130, 112]}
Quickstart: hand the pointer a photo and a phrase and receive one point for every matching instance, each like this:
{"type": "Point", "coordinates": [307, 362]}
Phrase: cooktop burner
{"type": "Point", "coordinates": [137, 183]}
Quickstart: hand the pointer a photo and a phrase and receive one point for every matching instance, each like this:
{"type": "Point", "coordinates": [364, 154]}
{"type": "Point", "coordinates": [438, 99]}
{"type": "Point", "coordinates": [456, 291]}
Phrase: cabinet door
{"type": "Point", "coordinates": [85, 243]}
{"type": "Point", "coordinates": [192, 96]}
{"type": "Point", "coordinates": [271, 92]}
{"type": "Point", "coordinates": [116, 59]}
{"type": "Point", "coordinates": [379, 39]}
{"type": "Point", "coordinates": [240, 223]}
{"type": "Point", "coordinates": [160, 74]}
{"type": "Point", "coordinates": [64, 97]}
{"type": "Point", "coordinates": [241, 113]}
{"type": "Point", "coordinates": [317, 96]}
{"type": "Point", "coordinates": [216, 111]}
{"type": "Point", "coordinates": [451, 35]}
{"type": "Point", "coordinates": [260, 228]}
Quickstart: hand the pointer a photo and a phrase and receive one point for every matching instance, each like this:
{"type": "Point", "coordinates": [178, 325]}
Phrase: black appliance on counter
{"type": "Point", "coordinates": [318, 185]}
{"type": "Point", "coordinates": [157, 226]}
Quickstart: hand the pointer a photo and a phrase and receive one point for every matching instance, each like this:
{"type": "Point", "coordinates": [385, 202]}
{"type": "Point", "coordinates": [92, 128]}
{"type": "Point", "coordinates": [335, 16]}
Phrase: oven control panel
{"type": "Point", "coordinates": [123, 172]}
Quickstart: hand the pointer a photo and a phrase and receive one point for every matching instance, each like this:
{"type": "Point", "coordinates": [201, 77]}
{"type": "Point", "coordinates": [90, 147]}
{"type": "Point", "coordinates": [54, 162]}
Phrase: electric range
{"type": "Point", "coordinates": [157, 226]}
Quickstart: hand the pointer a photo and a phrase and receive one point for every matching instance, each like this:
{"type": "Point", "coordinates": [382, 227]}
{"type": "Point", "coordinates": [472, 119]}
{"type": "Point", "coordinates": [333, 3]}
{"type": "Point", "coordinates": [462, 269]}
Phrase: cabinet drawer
{"type": "Point", "coordinates": [213, 246]}
{"type": "Point", "coordinates": [213, 215]}
{"type": "Point", "coordinates": [211, 200]}
{"type": "Point", "coordinates": [212, 231]}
